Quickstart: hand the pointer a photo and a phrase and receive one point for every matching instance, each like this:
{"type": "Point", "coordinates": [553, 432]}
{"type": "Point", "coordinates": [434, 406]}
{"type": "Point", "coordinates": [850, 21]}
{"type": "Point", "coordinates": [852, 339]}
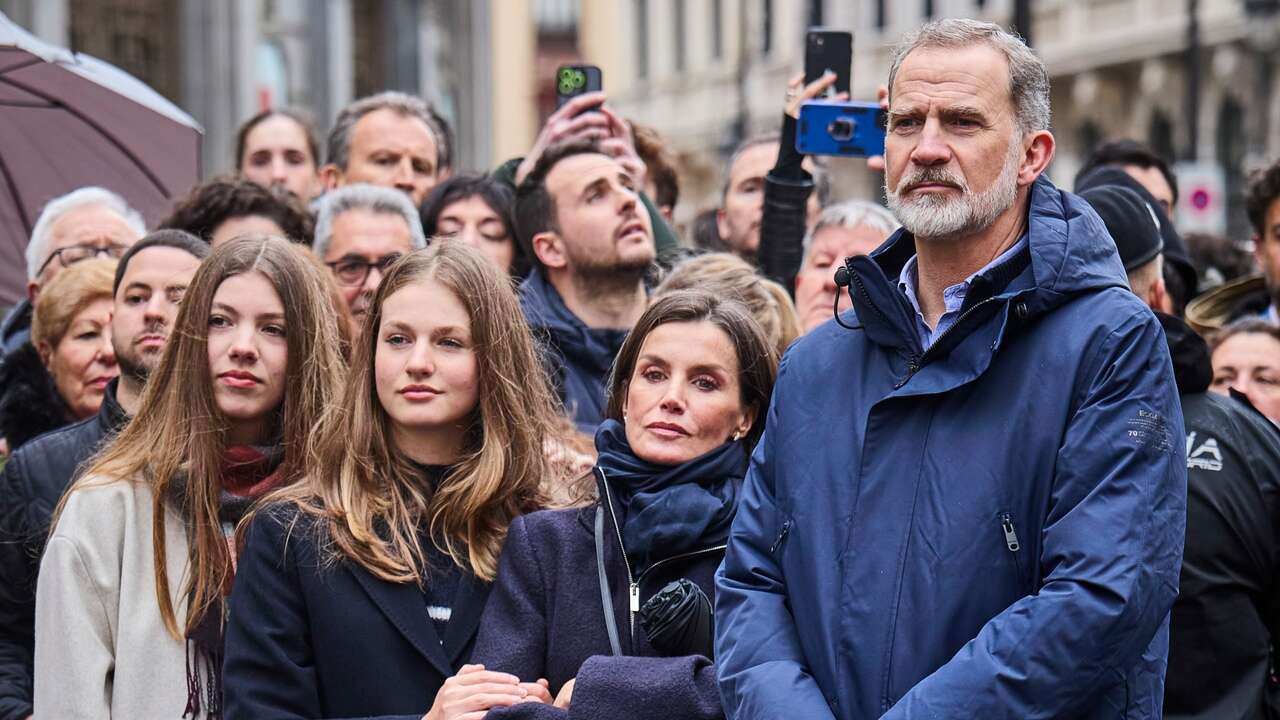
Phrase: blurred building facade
{"type": "Point", "coordinates": [709, 72]}
{"type": "Point", "coordinates": [225, 60]}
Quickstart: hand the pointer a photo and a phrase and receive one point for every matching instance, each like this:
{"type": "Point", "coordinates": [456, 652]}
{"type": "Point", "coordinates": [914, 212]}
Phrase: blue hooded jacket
{"type": "Point", "coordinates": [577, 358]}
{"type": "Point", "coordinates": [989, 529]}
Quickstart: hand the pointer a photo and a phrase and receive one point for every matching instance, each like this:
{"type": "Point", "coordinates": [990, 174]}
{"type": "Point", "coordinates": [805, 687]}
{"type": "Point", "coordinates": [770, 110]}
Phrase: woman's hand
{"type": "Point", "coordinates": [798, 92]}
{"type": "Point", "coordinates": [565, 125]}
{"type": "Point", "coordinates": [538, 692]}
{"type": "Point", "coordinates": [469, 694]}
{"type": "Point", "coordinates": [566, 695]}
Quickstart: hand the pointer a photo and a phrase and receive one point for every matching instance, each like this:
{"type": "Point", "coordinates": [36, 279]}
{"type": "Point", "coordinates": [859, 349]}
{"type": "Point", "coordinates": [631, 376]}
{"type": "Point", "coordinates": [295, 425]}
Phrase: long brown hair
{"type": "Point", "coordinates": [179, 429]}
{"type": "Point", "coordinates": [370, 501]}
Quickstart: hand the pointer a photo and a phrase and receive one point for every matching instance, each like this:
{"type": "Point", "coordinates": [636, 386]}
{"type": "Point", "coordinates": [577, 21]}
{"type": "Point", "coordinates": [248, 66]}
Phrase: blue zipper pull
{"type": "Point", "coordinates": [1010, 537]}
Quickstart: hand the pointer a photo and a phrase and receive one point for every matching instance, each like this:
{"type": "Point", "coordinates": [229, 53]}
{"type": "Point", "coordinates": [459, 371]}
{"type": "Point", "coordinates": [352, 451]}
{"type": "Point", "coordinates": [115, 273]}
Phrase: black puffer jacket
{"type": "Point", "coordinates": [31, 485]}
{"type": "Point", "coordinates": [1227, 615]}
{"type": "Point", "coordinates": [29, 401]}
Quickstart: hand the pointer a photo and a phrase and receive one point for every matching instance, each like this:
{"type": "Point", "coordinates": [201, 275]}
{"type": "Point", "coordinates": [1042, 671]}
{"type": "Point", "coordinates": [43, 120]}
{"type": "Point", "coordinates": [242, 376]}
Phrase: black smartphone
{"type": "Point", "coordinates": [575, 80]}
{"type": "Point", "coordinates": [829, 50]}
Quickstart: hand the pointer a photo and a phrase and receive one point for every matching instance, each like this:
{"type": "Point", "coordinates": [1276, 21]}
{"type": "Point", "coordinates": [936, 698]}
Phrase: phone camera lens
{"type": "Point", "coordinates": [841, 129]}
{"type": "Point", "coordinates": [579, 79]}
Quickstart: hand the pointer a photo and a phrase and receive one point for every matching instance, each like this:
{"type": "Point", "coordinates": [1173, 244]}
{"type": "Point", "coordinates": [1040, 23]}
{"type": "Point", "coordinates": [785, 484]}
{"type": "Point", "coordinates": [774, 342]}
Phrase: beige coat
{"type": "Point", "coordinates": [101, 648]}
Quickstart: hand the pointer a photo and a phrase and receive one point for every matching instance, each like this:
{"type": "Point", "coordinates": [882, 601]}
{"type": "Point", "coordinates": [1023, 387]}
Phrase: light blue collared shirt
{"type": "Point", "coordinates": [952, 298]}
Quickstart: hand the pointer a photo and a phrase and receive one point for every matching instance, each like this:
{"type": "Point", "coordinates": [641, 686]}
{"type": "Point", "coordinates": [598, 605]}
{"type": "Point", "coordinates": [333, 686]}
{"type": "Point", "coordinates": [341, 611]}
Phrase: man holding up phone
{"type": "Point", "coordinates": [992, 526]}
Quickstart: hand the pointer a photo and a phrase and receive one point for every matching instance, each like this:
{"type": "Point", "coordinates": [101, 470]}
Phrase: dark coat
{"type": "Point", "coordinates": [15, 329]}
{"type": "Point", "coordinates": [33, 482]}
{"type": "Point", "coordinates": [30, 404]}
{"type": "Point", "coordinates": [989, 529]}
{"type": "Point", "coordinates": [545, 620]}
{"type": "Point", "coordinates": [1227, 615]}
{"type": "Point", "coordinates": [577, 358]}
{"type": "Point", "coordinates": [306, 641]}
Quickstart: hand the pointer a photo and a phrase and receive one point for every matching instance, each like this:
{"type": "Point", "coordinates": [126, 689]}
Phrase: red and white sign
{"type": "Point", "coordinates": [1202, 199]}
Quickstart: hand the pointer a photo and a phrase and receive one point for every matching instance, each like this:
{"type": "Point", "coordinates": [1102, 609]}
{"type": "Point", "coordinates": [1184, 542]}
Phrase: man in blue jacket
{"type": "Point", "coordinates": [969, 501]}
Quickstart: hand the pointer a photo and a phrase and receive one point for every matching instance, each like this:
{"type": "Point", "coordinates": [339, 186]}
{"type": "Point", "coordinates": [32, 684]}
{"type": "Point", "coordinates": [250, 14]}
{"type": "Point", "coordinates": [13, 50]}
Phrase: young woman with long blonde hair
{"type": "Point", "coordinates": [129, 609]}
{"type": "Point", "coordinates": [360, 592]}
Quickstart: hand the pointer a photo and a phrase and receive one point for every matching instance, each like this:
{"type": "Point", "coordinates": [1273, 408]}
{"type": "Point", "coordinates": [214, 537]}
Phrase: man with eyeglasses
{"type": "Point", "coordinates": [360, 230]}
{"type": "Point", "coordinates": [84, 223]}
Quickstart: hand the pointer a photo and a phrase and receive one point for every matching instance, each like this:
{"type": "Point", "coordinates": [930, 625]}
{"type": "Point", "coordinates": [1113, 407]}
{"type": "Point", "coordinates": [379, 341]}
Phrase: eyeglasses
{"type": "Point", "coordinates": [73, 254]}
{"type": "Point", "coordinates": [354, 271]}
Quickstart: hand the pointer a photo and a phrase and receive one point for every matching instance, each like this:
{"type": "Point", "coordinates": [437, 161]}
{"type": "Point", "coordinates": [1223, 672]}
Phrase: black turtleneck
{"type": "Point", "coordinates": [443, 574]}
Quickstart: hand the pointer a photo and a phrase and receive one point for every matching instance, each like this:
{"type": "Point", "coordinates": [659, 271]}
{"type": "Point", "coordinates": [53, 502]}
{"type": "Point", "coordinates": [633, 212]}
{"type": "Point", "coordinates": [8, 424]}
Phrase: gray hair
{"type": "Point", "coordinates": [375, 199]}
{"type": "Point", "coordinates": [339, 145]}
{"type": "Point", "coordinates": [852, 214]}
{"type": "Point", "coordinates": [42, 234]}
{"type": "Point", "coordinates": [1028, 79]}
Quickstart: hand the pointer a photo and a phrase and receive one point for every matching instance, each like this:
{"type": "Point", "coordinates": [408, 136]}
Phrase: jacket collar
{"type": "Point", "coordinates": [1068, 252]}
{"type": "Point", "coordinates": [111, 417]}
{"type": "Point", "coordinates": [547, 313]}
{"type": "Point", "coordinates": [15, 329]}
{"type": "Point", "coordinates": [404, 606]}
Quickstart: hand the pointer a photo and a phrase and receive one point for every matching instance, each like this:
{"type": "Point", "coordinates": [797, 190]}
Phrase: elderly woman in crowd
{"type": "Point", "coordinates": [1246, 358]}
{"type": "Point", "coordinates": [61, 375]}
{"type": "Point", "coordinates": [610, 604]}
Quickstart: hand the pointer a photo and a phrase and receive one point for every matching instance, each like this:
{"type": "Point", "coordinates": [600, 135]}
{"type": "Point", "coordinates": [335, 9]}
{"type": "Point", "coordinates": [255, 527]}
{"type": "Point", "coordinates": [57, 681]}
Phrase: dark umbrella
{"type": "Point", "coordinates": [68, 120]}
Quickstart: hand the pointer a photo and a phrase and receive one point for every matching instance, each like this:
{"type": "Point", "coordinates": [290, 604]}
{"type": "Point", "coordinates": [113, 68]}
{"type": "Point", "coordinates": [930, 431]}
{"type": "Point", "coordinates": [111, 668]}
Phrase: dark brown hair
{"type": "Point", "coordinates": [652, 149]}
{"type": "Point", "coordinates": [496, 195]}
{"type": "Point", "coordinates": [535, 207]}
{"type": "Point", "coordinates": [298, 116]}
{"type": "Point", "coordinates": [212, 203]}
{"type": "Point", "coordinates": [757, 363]}
{"type": "Point", "coordinates": [1243, 326]}
{"type": "Point", "coordinates": [1264, 189]}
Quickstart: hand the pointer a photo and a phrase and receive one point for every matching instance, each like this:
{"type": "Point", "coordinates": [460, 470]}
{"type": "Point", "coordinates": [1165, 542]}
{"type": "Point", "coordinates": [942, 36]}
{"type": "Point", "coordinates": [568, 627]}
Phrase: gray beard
{"type": "Point", "coordinates": [935, 217]}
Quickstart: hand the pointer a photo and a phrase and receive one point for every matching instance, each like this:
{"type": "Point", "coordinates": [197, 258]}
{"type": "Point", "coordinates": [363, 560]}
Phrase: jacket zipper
{"type": "Point", "coordinates": [633, 605]}
{"type": "Point", "coordinates": [633, 585]}
{"type": "Point", "coordinates": [913, 359]}
{"type": "Point", "coordinates": [782, 535]}
{"type": "Point", "coordinates": [1010, 535]}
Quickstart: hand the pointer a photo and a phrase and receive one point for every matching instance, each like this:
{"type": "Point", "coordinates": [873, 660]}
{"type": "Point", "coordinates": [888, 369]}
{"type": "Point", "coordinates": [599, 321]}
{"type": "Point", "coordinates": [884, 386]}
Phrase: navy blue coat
{"type": "Point", "coordinates": [305, 640]}
{"type": "Point", "coordinates": [545, 619]}
{"type": "Point", "coordinates": [577, 358]}
{"type": "Point", "coordinates": [990, 529]}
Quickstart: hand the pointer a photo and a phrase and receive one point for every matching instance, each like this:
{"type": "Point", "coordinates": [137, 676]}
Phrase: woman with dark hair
{"type": "Point", "coordinates": [225, 208]}
{"type": "Point", "coordinates": [130, 606]}
{"type": "Point", "coordinates": [611, 603]}
{"type": "Point", "coordinates": [477, 210]}
{"type": "Point", "coordinates": [360, 591]}
{"type": "Point", "coordinates": [277, 149]}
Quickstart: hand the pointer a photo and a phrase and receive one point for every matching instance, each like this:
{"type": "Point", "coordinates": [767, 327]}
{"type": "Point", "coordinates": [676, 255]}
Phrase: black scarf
{"type": "Point", "coordinates": [666, 510]}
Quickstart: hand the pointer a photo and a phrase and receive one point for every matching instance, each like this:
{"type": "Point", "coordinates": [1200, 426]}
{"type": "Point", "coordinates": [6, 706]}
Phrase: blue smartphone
{"type": "Point", "coordinates": [847, 129]}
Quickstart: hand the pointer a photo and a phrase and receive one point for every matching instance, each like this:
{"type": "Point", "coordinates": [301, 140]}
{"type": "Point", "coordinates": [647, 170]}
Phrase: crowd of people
{"type": "Point", "coordinates": [379, 436]}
